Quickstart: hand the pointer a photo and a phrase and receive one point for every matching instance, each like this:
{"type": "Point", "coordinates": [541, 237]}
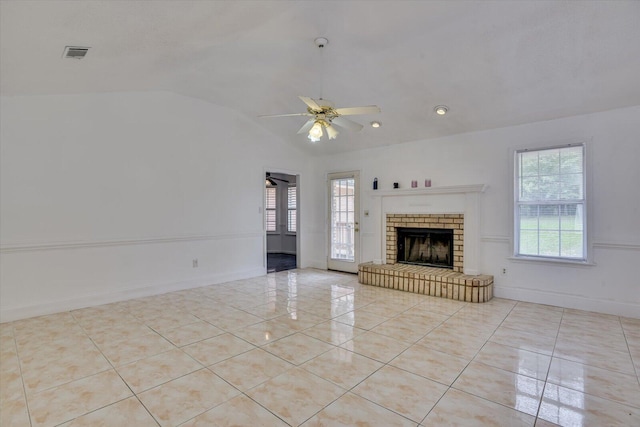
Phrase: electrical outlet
{"type": "Point", "coordinates": [195, 263]}
{"type": "Point", "coordinates": [504, 271]}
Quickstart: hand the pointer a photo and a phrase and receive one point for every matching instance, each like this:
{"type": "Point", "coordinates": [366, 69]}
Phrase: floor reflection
{"type": "Point", "coordinates": [248, 350]}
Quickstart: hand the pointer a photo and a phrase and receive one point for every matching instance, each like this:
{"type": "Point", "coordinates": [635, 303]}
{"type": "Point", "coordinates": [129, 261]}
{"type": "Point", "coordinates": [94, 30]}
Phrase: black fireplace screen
{"type": "Point", "coordinates": [425, 246]}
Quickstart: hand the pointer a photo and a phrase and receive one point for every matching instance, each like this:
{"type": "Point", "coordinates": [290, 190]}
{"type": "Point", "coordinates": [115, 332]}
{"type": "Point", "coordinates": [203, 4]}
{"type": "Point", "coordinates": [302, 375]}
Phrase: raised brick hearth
{"type": "Point", "coordinates": [438, 282]}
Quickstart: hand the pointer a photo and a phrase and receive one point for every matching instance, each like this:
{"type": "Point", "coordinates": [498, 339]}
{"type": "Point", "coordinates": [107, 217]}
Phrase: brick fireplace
{"type": "Point", "coordinates": [453, 209]}
{"type": "Point", "coordinates": [453, 222]}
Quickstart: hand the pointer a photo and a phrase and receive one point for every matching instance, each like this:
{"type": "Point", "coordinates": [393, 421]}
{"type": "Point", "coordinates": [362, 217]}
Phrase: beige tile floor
{"type": "Point", "coordinates": [314, 348]}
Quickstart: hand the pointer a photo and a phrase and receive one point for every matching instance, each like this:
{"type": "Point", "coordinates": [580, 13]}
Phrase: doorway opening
{"type": "Point", "coordinates": [281, 221]}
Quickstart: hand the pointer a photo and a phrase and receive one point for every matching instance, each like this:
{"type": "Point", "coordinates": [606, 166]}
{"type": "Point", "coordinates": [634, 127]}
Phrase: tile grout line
{"type": "Point", "coordinates": [450, 386]}
{"type": "Point", "coordinates": [133, 394]}
{"type": "Point", "coordinates": [546, 379]}
{"type": "Point", "coordinates": [626, 340]}
{"type": "Point", "coordinates": [184, 306]}
{"type": "Point", "coordinates": [24, 387]}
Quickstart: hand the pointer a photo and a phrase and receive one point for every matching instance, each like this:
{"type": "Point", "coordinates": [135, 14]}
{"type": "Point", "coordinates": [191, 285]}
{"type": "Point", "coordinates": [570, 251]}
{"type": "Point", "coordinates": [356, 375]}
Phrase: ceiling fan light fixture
{"type": "Point", "coordinates": [376, 124]}
{"type": "Point", "coordinates": [441, 110]}
{"type": "Point", "coordinates": [315, 133]}
{"type": "Point", "coordinates": [331, 132]}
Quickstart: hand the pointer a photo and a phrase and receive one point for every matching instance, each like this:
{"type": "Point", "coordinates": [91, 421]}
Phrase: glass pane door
{"type": "Point", "coordinates": [343, 230]}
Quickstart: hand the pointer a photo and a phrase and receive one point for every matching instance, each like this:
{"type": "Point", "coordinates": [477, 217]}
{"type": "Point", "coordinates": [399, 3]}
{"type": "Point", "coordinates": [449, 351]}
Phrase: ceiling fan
{"type": "Point", "coordinates": [323, 114]}
{"type": "Point", "coordinates": [271, 180]}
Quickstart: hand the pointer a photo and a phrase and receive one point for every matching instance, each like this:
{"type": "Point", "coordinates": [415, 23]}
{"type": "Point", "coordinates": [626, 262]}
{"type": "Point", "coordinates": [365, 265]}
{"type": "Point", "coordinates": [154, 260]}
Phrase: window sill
{"type": "Point", "coordinates": [552, 261]}
{"type": "Point", "coordinates": [290, 234]}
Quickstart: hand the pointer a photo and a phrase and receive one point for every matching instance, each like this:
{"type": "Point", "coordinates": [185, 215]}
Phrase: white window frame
{"type": "Point", "coordinates": [294, 208]}
{"type": "Point", "coordinates": [267, 209]}
{"type": "Point", "coordinates": [586, 255]}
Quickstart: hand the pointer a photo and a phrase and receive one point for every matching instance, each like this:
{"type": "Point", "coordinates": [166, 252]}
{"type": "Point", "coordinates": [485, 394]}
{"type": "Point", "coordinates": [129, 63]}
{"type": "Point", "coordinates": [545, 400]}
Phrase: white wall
{"type": "Point", "coordinates": [610, 286]}
{"type": "Point", "coordinates": [109, 196]}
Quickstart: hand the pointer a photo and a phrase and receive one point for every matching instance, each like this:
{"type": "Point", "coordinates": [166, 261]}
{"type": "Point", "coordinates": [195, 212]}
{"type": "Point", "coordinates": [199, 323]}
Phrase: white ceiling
{"type": "Point", "coordinates": [494, 63]}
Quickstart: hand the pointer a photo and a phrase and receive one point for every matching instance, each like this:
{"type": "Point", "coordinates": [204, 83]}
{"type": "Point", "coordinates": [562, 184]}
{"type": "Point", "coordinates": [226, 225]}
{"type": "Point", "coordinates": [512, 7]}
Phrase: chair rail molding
{"type": "Point", "coordinates": [49, 246]}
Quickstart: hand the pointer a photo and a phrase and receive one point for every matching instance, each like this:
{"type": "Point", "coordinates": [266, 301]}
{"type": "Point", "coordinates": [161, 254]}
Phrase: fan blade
{"type": "Point", "coordinates": [347, 124]}
{"type": "Point", "coordinates": [286, 115]}
{"type": "Point", "coordinates": [305, 127]}
{"type": "Point", "coordinates": [350, 111]}
{"type": "Point", "coordinates": [311, 103]}
{"type": "Point", "coordinates": [271, 178]}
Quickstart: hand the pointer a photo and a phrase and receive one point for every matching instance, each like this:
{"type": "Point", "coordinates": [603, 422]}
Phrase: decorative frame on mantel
{"type": "Point", "coordinates": [459, 199]}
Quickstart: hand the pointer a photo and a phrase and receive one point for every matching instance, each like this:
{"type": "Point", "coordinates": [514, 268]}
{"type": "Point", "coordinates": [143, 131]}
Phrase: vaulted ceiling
{"type": "Point", "coordinates": [494, 63]}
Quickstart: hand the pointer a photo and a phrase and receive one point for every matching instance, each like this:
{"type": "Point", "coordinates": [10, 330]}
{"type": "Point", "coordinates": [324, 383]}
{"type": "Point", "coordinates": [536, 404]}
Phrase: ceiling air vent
{"type": "Point", "coordinates": [75, 52]}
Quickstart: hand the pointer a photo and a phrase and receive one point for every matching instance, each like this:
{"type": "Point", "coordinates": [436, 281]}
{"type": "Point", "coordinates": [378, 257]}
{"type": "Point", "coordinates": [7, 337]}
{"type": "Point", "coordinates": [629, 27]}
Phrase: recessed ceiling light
{"type": "Point", "coordinates": [376, 124]}
{"type": "Point", "coordinates": [441, 110]}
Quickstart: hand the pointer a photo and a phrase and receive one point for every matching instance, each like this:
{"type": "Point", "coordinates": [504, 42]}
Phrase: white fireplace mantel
{"type": "Point", "coordinates": [455, 189]}
{"type": "Point", "coordinates": [437, 200]}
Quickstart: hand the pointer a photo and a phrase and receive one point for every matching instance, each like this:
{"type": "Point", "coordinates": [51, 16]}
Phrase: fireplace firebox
{"type": "Point", "coordinates": [425, 246]}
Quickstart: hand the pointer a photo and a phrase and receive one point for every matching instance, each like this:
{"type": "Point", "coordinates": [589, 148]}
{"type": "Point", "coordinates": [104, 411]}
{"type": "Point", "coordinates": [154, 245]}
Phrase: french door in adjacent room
{"type": "Point", "coordinates": [344, 222]}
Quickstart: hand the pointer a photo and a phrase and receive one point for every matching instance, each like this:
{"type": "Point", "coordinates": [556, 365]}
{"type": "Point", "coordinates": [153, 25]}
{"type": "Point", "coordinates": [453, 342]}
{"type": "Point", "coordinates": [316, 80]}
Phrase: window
{"type": "Point", "coordinates": [270, 208]}
{"type": "Point", "coordinates": [550, 208]}
{"type": "Point", "coordinates": [291, 209]}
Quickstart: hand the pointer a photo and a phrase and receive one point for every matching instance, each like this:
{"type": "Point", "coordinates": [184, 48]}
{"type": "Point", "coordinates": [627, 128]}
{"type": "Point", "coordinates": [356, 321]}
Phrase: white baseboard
{"type": "Point", "coordinates": [11, 314]}
{"type": "Point", "coordinates": [320, 265]}
{"type": "Point", "coordinates": [569, 301]}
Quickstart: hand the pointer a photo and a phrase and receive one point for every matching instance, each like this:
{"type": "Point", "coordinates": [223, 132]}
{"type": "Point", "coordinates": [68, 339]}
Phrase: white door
{"type": "Point", "coordinates": [344, 220]}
